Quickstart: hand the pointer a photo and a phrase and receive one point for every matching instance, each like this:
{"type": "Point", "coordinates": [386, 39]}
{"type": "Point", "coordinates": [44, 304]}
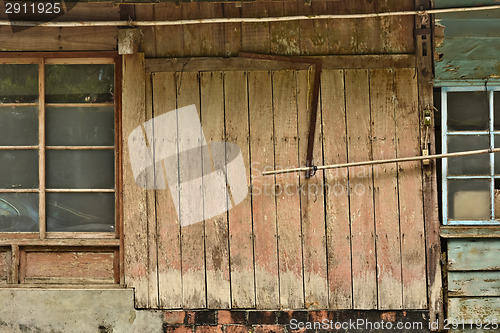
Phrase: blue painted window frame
{"type": "Point", "coordinates": [444, 146]}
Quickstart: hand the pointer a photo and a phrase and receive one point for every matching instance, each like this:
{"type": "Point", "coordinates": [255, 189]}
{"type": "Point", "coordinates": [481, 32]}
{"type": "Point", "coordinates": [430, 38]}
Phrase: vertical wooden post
{"type": "Point", "coordinates": [135, 220]}
{"type": "Point", "coordinates": [423, 49]}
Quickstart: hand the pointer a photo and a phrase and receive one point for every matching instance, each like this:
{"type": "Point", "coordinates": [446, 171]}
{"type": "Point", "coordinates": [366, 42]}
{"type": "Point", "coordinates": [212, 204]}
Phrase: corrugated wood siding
{"type": "Point", "coordinates": [334, 241]}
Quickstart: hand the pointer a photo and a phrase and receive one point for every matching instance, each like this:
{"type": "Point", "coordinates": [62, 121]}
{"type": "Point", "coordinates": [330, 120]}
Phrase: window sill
{"type": "Point", "coordinates": [470, 231]}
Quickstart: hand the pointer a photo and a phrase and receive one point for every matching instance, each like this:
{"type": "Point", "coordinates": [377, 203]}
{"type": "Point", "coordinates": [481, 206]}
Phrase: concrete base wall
{"type": "Point", "coordinates": [82, 311]}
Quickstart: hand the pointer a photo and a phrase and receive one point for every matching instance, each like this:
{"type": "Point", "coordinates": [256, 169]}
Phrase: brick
{"type": "Point", "coordinates": [261, 317]}
{"type": "Point", "coordinates": [285, 316]}
{"type": "Point", "coordinates": [238, 329]}
{"type": "Point", "coordinates": [231, 317]}
{"type": "Point", "coordinates": [201, 317]}
{"type": "Point", "coordinates": [177, 329]}
{"type": "Point", "coordinates": [269, 329]}
{"type": "Point", "coordinates": [209, 329]}
{"type": "Point", "coordinates": [174, 317]}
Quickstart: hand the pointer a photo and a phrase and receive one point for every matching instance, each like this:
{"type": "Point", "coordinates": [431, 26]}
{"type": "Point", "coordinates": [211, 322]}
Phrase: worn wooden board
{"type": "Point", "coordinates": [364, 277]}
{"type": "Point", "coordinates": [166, 46]}
{"type": "Point", "coordinates": [284, 36]}
{"type": "Point", "coordinates": [255, 36]}
{"type": "Point", "coordinates": [151, 213]}
{"type": "Point", "coordinates": [410, 191]}
{"type": "Point", "coordinates": [473, 254]}
{"type": "Point", "coordinates": [59, 39]}
{"type": "Point", "coordinates": [148, 34]}
{"type": "Point", "coordinates": [338, 230]}
{"type": "Point", "coordinates": [313, 33]}
{"type": "Point", "coordinates": [474, 283]}
{"type": "Point", "coordinates": [134, 198]}
{"type": "Point", "coordinates": [4, 266]}
{"type": "Point", "coordinates": [67, 267]}
{"type": "Point", "coordinates": [260, 106]}
{"type": "Point", "coordinates": [232, 31]}
{"type": "Point", "coordinates": [385, 191]}
{"type": "Point", "coordinates": [240, 217]}
{"type": "Point", "coordinates": [212, 35]}
{"type": "Point", "coordinates": [216, 228]}
{"type": "Point", "coordinates": [192, 236]}
{"type": "Point", "coordinates": [311, 202]}
{"type": "Point", "coordinates": [192, 36]}
{"type": "Point", "coordinates": [472, 309]}
{"type": "Point", "coordinates": [287, 196]}
{"type": "Point", "coordinates": [167, 223]}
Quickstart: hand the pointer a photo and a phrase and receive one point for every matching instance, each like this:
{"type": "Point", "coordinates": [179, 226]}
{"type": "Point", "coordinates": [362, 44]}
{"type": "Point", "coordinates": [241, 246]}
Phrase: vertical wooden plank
{"type": "Point", "coordinates": [232, 31]}
{"type": "Point", "coordinates": [212, 35]}
{"type": "Point", "coordinates": [338, 228]}
{"type": "Point", "coordinates": [240, 217]}
{"type": "Point", "coordinates": [216, 228]}
{"type": "Point", "coordinates": [168, 227]}
{"type": "Point", "coordinates": [311, 202]}
{"type": "Point", "coordinates": [410, 191]}
{"type": "Point", "coordinates": [192, 37]}
{"type": "Point", "coordinates": [134, 198]}
{"type": "Point", "coordinates": [146, 12]}
{"type": "Point", "coordinates": [151, 213]}
{"type": "Point", "coordinates": [169, 39]}
{"type": "Point", "coordinates": [255, 36]}
{"type": "Point", "coordinates": [192, 236]}
{"type": "Point", "coordinates": [364, 277]}
{"type": "Point", "coordinates": [287, 194]}
{"type": "Point", "coordinates": [385, 190]}
{"type": "Point", "coordinates": [263, 202]}
{"type": "Point", "coordinates": [284, 36]}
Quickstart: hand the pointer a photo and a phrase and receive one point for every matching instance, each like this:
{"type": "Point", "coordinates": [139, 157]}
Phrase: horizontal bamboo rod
{"type": "Point", "coordinates": [242, 19]}
{"type": "Point", "coordinates": [393, 160]}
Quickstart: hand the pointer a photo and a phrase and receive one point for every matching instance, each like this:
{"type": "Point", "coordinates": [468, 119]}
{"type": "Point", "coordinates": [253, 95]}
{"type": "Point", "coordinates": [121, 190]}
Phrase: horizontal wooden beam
{"type": "Point", "coordinates": [470, 232]}
{"type": "Point", "coordinates": [100, 243]}
{"type": "Point", "coordinates": [243, 64]}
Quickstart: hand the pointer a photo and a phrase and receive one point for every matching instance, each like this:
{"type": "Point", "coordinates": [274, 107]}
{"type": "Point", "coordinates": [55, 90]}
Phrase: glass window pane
{"type": "Point", "coordinates": [18, 83]}
{"type": "Point", "coordinates": [87, 212]}
{"type": "Point", "coordinates": [468, 111]}
{"type": "Point", "coordinates": [496, 108]}
{"type": "Point", "coordinates": [19, 126]}
{"type": "Point", "coordinates": [19, 169]}
{"type": "Point", "coordinates": [87, 126]}
{"type": "Point", "coordinates": [18, 212]}
{"type": "Point", "coordinates": [80, 169]}
{"type": "Point", "coordinates": [79, 83]}
{"type": "Point", "coordinates": [468, 165]}
{"type": "Point", "coordinates": [469, 199]}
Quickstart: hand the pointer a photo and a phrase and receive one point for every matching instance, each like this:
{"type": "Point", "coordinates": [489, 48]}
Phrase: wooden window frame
{"type": "Point", "coordinates": [42, 237]}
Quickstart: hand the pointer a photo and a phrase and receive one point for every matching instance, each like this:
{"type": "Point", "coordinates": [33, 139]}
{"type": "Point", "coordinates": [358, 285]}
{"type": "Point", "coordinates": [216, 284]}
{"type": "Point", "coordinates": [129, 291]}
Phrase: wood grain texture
{"type": "Point", "coordinates": [4, 266]}
{"type": "Point", "coordinates": [240, 217]}
{"type": "Point", "coordinates": [167, 223]}
{"type": "Point", "coordinates": [338, 230]}
{"type": "Point", "coordinates": [232, 31]}
{"type": "Point", "coordinates": [473, 254]}
{"type": "Point", "coordinates": [148, 43]}
{"type": "Point", "coordinates": [134, 198]}
{"type": "Point", "coordinates": [151, 210]}
{"type": "Point", "coordinates": [364, 278]}
{"type": "Point", "coordinates": [287, 194]}
{"type": "Point", "coordinates": [313, 33]}
{"type": "Point", "coordinates": [212, 35]}
{"type": "Point", "coordinates": [216, 228]}
{"type": "Point", "coordinates": [385, 190]}
{"type": "Point", "coordinates": [166, 46]}
{"type": "Point", "coordinates": [77, 267]}
{"type": "Point", "coordinates": [192, 236]}
{"type": "Point", "coordinates": [410, 191]}
{"type": "Point", "coordinates": [311, 202]}
{"type": "Point", "coordinates": [255, 36]}
{"type": "Point", "coordinates": [284, 36]}
{"type": "Point", "coordinates": [468, 284]}
{"type": "Point", "coordinates": [192, 36]}
{"type": "Point", "coordinates": [260, 106]}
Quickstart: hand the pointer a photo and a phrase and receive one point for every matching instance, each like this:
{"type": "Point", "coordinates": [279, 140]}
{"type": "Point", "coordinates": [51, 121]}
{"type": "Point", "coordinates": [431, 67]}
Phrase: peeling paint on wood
{"type": "Point", "coordinates": [474, 283]}
{"type": "Point", "coordinates": [473, 254]}
{"type": "Point", "coordinates": [472, 309]}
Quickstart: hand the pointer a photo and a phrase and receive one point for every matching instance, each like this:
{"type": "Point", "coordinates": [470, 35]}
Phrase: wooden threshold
{"type": "Point", "coordinates": [245, 64]}
{"type": "Point", "coordinates": [470, 231]}
{"type": "Point", "coordinates": [91, 242]}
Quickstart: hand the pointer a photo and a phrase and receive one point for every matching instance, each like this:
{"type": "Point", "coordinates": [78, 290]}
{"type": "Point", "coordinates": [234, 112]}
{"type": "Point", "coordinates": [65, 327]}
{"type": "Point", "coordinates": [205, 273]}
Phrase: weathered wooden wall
{"type": "Point", "coordinates": [343, 239]}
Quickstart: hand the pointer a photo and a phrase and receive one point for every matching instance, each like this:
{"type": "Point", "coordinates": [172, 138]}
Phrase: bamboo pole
{"type": "Point", "coordinates": [393, 160]}
{"type": "Point", "coordinates": [242, 19]}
